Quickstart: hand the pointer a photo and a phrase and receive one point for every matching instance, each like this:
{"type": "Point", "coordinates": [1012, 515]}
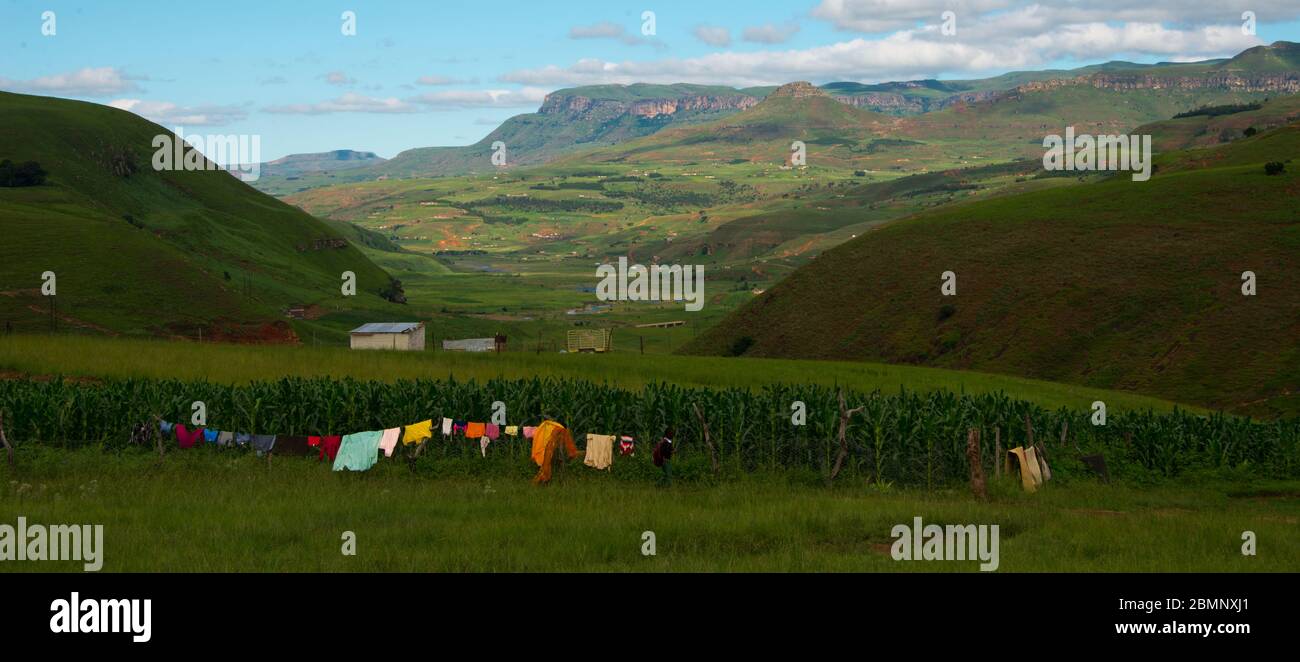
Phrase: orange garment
{"type": "Point", "coordinates": [475, 430]}
{"type": "Point", "coordinates": [549, 436]}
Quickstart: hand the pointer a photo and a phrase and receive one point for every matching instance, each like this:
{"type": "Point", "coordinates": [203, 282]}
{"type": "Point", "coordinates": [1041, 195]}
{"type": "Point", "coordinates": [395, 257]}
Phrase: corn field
{"type": "Point", "coordinates": [905, 438]}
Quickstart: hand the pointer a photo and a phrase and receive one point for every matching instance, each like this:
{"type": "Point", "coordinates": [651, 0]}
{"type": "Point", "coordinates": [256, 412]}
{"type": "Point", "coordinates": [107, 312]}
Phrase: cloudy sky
{"type": "Point", "coordinates": [446, 72]}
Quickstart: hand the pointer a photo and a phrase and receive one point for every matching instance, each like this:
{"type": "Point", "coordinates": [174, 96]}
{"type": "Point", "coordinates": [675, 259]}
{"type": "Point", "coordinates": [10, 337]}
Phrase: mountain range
{"type": "Point", "coordinates": [1121, 94]}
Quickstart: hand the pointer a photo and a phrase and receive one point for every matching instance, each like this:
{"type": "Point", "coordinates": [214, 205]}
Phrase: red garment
{"type": "Point", "coordinates": [187, 438]}
{"type": "Point", "coordinates": [328, 446]}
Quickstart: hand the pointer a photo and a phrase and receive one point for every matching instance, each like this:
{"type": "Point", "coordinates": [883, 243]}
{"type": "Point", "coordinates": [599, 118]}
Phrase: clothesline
{"type": "Point", "coordinates": [359, 451]}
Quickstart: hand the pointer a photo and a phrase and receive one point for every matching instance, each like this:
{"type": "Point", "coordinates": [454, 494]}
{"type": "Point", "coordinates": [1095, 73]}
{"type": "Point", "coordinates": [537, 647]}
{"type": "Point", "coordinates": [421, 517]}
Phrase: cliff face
{"type": "Point", "coordinates": [573, 107]}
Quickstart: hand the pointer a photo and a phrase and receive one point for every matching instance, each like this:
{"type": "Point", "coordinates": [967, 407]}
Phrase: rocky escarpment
{"type": "Point", "coordinates": [577, 107]}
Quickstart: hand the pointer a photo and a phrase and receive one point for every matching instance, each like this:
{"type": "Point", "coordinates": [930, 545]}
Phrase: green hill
{"type": "Point", "coordinates": [159, 252]}
{"type": "Point", "coordinates": [1115, 284]}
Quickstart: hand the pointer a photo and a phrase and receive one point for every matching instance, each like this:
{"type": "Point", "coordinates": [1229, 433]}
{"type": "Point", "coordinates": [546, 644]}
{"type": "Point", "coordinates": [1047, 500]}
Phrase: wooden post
{"type": "Point", "coordinates": [998, 458]}
{"type": "Point", "coordinates": [704, 425]}
{"type": "Point", "coordinates": [845, 415]}
{"type": "Point", "coordinates": [1065, 430]}
{"type": "Point", "coordinates": [9, 450]}
{"type": "Point", "coordinates": [976, 464]}
{"type": "Point", "coordinates": [157, 421]}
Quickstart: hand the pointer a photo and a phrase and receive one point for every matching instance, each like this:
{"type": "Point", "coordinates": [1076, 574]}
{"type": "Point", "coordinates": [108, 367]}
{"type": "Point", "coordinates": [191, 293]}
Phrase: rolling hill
{"type": "Point", "coordinates": [137, 250]}
{"type": "Point", "coordinates": [1122, 284]}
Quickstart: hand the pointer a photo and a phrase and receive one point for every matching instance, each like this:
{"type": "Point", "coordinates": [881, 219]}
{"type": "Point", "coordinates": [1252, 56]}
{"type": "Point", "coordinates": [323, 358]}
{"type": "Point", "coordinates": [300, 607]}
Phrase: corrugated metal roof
{"type": "Point", "coordinates": [381, 327]}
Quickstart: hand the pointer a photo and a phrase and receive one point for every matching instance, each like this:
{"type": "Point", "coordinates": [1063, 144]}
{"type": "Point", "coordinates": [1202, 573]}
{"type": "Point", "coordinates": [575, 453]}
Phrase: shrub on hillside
{"type": "Point", "coordinates": [26, 174]}
{"type": "Point", "coordinates": [742, 345]}
{"type": "Point", "coordinates": [1274, 168]}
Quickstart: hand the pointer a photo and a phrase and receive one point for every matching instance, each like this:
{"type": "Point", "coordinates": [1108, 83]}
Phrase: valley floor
{"type": "Point", "coordinates": [211, 512]}
{"type": "Point", "coordinates": [43, 356]}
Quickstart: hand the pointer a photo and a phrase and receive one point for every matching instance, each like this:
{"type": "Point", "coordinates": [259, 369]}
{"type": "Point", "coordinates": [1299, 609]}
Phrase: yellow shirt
{"type": "Point", "coordinates": [414, 434]}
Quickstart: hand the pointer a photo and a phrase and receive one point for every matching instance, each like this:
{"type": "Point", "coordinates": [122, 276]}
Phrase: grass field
{"type": "Point", "coordinates": [207, 511]}
{"type": "Point", "coordinates": [236, 364]}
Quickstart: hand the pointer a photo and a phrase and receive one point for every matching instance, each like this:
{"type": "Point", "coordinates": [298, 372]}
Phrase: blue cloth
{"type": "Point", "coordinates": [243, 438]}
{"type": "Point", "coordinates": [359, 451]}
{"type": "Point", "coordinates": [210, 436]}
{"type": "Point", "coordinates": [165, 427]}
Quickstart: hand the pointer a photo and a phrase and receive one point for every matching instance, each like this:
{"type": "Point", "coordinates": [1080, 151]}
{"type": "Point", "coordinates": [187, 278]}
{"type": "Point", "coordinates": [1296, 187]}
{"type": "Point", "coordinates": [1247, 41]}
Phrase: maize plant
{"type": "Point", "coordinates": [903, 437]}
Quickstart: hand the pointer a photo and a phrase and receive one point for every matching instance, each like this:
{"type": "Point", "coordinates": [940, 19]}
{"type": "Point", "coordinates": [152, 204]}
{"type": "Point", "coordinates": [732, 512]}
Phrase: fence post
{"type": "Point", "coordinates": [845, 415]}
{"type": "Point", "coordinates": [976, 464]}
{"type": "Point", "coordinates": [9, 450]}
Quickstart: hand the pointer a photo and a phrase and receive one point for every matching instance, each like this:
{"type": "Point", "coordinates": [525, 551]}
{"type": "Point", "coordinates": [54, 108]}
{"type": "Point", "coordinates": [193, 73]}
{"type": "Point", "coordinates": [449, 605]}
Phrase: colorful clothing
{"type": "Point", "coordinates": [600, 451]}
{"type": "Point", "coordinates": [296, 446]}
{"type": "Point", "coordinates": [263, 443]}
{"type": "Point", "coordinates": [165, 427]}
{"type": "Point", "coordinates": [548, 437]}
{"type": "Point", "coordinates": [483, 444]}
{"type": "Point", "coordinates": [475, 430]}
{"type": "Point", "coordinates": [512, 430]}
{"type": "Point", "coordinates": [225, 439]}
{"type": "Point", "coordinates": [243, 438]}
{"type": "Point", "coordinates": [626, 445]}
{"type": "Point", "coordinates": [329, 446]}
{"type": "Point", "coordinates": [529, 432]}
{"type": "Point", "coordinates": [458, 427]}
{"type": "Point", "coordinates": [359, 451]}
{"type": "Point", "coordinates": [210, 436]}
{"type": "Point", "coordinates": [417, 432]}
{"type": "Point", "coordinates": [186, 438]}
{"type": "Point", "coordinates": [446, 427]}
{"type": "Point", "coordinates": [389, 441]}
{"type": "Point", "coordinates": [493, 431]}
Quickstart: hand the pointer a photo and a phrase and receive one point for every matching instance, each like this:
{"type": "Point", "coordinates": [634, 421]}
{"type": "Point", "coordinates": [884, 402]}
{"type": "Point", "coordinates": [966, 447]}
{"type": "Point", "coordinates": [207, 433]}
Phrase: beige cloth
{"type": "Point", "coordinates": [1030, 475]}
{"type": "Point", "coordinates": [600, 451]}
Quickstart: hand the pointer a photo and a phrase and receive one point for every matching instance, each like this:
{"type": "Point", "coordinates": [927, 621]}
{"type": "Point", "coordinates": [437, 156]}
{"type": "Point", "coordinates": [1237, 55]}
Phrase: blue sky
{"type": "Point", "coordinates": [444, 72]}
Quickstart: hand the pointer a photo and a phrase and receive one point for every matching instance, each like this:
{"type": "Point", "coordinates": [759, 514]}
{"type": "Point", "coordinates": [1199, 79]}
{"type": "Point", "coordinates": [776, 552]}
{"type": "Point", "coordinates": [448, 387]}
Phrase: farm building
{"type": "Point", "coordinates": [407, 336]}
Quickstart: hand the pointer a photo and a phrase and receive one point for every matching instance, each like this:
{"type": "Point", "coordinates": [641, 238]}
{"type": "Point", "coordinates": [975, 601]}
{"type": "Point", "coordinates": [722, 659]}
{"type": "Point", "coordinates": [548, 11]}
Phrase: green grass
{"type": "Point", "coordinates": [237, 364]}
{"type": "Point", "coordinates": [1116, 283]}
{"type": "Point", "coordinates": [204, 511]}
{"type": "Point", "coordinates": [157, 252]}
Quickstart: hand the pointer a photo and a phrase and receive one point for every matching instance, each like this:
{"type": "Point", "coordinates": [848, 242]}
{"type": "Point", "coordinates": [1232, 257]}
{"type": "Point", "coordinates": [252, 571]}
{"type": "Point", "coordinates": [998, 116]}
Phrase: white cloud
{"type": "Point", "coordinates": [1015, 37]}
{"type": "Point", "coordinates": [528, 97]}
{"type": "Point", "coordinates": [713, 36]}
{"type": "Point", "coordinates": [339, 78]}
{"type": "Point", "coordinates": [441, 80]}
{"type": "Point", "coordinates": [167, 113]}
{"type": "Point", "coordinates": [608, 30]}
{"type": "Point", "coordinates": [770, 34]}
{"type": "Point", "coordinates": [348, 103]}
{"type": "Point", "coordinates": [88, 82]}
{"type": "Point", "coordinates": [876, 16]}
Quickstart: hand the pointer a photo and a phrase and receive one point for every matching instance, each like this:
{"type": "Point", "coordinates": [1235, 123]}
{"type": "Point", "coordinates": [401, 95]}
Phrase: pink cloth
{"type": "Point", "coordinates": [528, 432]}
{"type": "Point", "coordinates": [493, 431]}
{"type": "Point", "coordinates": [389, 441]}
{"type": "Point", "coordinates": [483, 444]}
{"type": "Point", "coordinates": [187, 438]}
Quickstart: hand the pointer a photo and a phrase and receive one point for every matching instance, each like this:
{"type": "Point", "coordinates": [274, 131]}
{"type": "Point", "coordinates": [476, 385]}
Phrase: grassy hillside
{"type": "Point", "coordinates": [1215, 125]}
{"type": "Point", "coordinates": [142, 251]}
{"type": "Point", "coordinates": [1116, 284]}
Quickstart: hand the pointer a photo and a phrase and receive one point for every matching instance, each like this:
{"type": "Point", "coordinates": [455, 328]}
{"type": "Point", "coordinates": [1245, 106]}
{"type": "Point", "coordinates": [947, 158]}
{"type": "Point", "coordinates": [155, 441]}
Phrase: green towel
{"type": "Point", "coordinates": [359, 451]}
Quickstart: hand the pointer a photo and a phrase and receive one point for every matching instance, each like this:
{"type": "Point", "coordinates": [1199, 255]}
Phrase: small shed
{"type": "Point", "coordinates": [406, 336]}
